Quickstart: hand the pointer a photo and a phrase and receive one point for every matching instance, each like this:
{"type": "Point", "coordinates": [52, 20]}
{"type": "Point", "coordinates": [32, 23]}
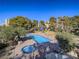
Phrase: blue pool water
{"type": "Point", "coordinates": [28, 49]}
{"type": "Point", "coordinates": [38, 38]}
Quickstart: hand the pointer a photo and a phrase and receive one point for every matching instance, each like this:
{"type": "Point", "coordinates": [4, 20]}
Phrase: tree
{"type": "Point", "coordinates": [75, 25]}
{"type": "Point", "coordinates": [67, 23]}
{"type": "Point", "coordinates": [8, 33]}
{"type": "Point", "coordinates": [28, 26]}
{"type": "Point", "coordinates": [61, 23]}
{"type": "Point", "coordinates": [20, 30]}
{"type": "Point", "coordinates": [77, 20]}
{"type": "Point", "coordinates": [20, 21]}
{"type": "Point", "coordinates": [52, 23]}
{"type": "Point", "coordinates": [42, 23]}
{"type": "Point", "coordinates": [64, 22]}
{"type": "Point", "coordinates": [35, 23]}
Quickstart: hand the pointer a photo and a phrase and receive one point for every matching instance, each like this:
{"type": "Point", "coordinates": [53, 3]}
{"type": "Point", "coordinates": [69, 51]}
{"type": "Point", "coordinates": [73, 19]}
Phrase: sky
{"type": "Point", "coordinates": [37, 9]}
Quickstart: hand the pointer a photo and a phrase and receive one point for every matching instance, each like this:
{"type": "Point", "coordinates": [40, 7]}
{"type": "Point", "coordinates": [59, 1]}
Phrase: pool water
{"type": "Point", "coordinates": [39, 38]}
{"type": "Point", "coordinates": [28, 49]}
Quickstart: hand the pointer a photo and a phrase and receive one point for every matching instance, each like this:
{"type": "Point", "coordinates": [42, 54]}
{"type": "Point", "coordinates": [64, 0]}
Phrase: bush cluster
{"type": "Point", "coordinates": [65, 41]}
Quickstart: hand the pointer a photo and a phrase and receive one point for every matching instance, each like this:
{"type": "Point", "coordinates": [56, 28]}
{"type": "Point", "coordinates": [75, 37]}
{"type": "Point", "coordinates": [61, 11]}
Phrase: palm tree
{"type": "Point", "coordinates": [35, 23]}
{"type": "Point", "coordinates": [42, 25]}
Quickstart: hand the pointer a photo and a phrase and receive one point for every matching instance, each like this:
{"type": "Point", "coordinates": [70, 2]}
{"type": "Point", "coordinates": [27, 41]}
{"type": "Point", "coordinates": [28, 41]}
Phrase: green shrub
{"type": "Point", "coordinates": [59, 29]}
{"type": "Point", "coordinates": [8, 33]}
{"type": "Point", "coordinates": [65, 41]}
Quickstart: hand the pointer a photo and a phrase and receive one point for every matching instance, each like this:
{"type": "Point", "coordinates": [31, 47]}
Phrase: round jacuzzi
{"type": "Point", "coordinates": [28, 49]}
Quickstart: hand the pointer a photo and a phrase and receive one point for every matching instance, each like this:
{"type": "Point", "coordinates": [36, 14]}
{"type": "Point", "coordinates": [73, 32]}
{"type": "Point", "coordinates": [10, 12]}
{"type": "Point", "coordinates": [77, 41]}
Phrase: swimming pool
{"type": "Point", "coordinates": [38, 38]}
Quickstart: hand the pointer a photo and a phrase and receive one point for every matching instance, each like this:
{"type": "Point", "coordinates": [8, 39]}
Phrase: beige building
{"type": "Point", "coordinates": [6, 22]}
{"type": "Point", "coordinates": [47, 24]}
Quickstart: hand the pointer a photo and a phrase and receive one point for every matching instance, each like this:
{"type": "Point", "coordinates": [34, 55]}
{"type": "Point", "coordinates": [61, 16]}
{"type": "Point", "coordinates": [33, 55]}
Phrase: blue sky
{"type": "Point", "coordinates": [38, 9]}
